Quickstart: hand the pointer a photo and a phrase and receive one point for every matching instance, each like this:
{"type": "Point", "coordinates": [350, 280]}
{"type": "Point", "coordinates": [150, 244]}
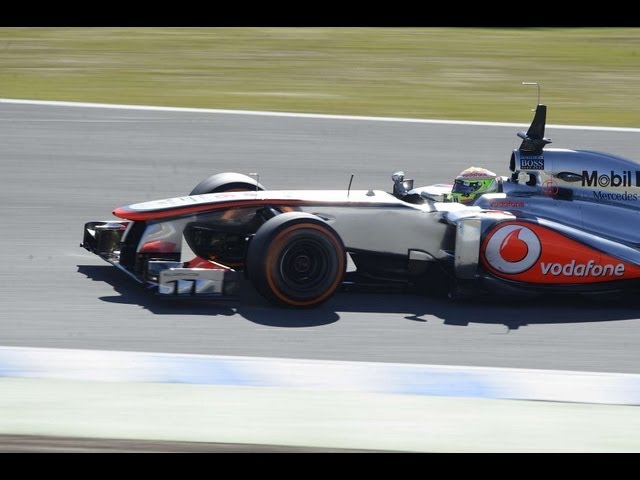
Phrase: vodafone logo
{"type": "Point", "coordinates": [512, 249]}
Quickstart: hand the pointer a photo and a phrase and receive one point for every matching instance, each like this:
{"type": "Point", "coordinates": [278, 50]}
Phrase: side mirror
{"type": "Point", "coordinates": [398, 177]}
{"type": "Point", "coordinates": [401, 186]}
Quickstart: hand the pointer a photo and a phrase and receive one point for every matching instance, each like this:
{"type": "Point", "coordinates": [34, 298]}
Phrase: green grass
{"type": "Point", "coordinates": [589, 76]}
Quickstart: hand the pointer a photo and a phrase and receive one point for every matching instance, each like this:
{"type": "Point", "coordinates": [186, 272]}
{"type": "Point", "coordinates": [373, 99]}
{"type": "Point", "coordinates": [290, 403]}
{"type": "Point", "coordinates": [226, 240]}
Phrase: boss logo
{"type": "Point", "coordinates": [532, 163]}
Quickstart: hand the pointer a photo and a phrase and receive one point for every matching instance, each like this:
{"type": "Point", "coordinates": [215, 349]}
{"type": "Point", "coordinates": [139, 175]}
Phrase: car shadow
{"type": "Point", "coordinates": [250, 305]}
{"type": "Point", "coordinates": [130, 292]}
{"type": "Point", "coordinates": [508, 312]}
{"type": "Point", "coordinates": [417, 308]}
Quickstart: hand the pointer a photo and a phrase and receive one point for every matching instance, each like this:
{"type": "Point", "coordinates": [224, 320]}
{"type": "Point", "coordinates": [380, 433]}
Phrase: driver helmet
{"type": "Point", "coordinates": [473, 182]}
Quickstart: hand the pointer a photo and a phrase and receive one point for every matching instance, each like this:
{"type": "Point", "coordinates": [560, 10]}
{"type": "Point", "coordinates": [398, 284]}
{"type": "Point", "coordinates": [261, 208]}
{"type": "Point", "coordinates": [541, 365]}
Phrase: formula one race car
{"type": "Point", "coordinates": [560, 222]}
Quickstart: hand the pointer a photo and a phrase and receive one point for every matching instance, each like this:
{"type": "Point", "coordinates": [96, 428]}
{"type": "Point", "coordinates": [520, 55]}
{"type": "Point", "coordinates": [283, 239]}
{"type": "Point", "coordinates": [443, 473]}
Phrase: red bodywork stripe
{"type": "Point", "coordinates": [158, 247]}
{"type": "Point", "coordinates": [127, 213]}
{"type": "Point", "coordinates": [199, 262]}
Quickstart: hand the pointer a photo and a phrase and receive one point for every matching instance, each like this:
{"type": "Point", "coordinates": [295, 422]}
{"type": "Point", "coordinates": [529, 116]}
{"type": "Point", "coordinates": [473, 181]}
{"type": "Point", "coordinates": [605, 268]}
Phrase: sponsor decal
{"type": "Point", "coordinates": [550, 188]}
{"type": "Point", "coordinates": [532, 162]}
{"type": "Point", "coordinates": [582, 269]}
{"type": "Point", "coordinates": [513, 249]}
{"type": "Point", "coordinates": [238, 194]}
{"type": "Point", "coordinates": [531, 253]}
{"type": "Point", "coordinates": [623, 197]}
{"type": "Point", "coordinates": [626, 178]}
{"type": "Point", "coordinates": [506, 204]}
{"type": "Point", "coordinates": [476, 175]}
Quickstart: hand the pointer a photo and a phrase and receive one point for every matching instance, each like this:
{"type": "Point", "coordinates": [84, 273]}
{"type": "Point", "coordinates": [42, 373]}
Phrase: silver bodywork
{"type": "Point", "coordinates": [366, 220]}
{"type": "Point", "coordinates": [576, 211]}
{"type": "Point", "coordinates": [603, 191]}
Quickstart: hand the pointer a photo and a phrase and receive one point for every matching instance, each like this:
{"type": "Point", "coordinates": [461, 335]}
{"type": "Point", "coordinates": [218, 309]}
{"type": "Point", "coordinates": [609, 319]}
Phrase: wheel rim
{"type": "Point", "coordinates": [305, 265]}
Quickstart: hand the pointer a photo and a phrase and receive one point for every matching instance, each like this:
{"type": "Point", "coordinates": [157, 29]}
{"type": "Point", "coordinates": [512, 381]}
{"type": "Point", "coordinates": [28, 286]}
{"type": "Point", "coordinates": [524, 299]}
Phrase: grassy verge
{"type": "Point", "coordinates": [589, 76]}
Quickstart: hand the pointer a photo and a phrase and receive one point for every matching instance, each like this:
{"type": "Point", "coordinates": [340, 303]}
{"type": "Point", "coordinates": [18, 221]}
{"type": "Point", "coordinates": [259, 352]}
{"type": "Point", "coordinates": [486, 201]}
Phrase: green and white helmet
{"type": "Point", "coordinates": [473, 182]}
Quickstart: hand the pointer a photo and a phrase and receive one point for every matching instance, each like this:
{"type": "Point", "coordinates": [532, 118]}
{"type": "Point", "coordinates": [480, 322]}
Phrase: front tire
{"type": "Point", "coordinates": [296, 259]}
{"type": "Point", "coordinates": [226, 182]}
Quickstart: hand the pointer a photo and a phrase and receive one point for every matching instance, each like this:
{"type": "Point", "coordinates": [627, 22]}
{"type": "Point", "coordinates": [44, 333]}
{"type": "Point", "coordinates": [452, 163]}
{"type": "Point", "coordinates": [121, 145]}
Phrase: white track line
{"type": "Point", "coordinates": [306, 115]}
{"type": "Point", "coordinates": [348, 376]}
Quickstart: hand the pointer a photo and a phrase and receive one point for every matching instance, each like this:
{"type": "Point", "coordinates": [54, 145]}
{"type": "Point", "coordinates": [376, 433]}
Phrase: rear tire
{"type": "Point", "coordinates": [226, 182]}
{"type": "Point", "coordinates": [296, 259]}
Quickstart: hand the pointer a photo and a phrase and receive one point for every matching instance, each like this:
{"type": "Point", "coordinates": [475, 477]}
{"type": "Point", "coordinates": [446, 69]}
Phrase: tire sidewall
{"type": "Point", "coordinates": [226, 182]}
{"type": "Point", "coordinates": [270, 247]}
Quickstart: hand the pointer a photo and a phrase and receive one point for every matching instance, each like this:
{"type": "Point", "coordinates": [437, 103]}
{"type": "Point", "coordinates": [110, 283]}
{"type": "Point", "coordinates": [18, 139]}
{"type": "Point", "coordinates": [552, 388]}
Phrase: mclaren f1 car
{"type": "Point", "coordinates": [562, 221]}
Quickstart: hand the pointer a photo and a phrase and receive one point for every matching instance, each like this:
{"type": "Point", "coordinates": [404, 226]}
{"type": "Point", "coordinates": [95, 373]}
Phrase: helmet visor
{"type": "Point", "coordinates": [467, 187]}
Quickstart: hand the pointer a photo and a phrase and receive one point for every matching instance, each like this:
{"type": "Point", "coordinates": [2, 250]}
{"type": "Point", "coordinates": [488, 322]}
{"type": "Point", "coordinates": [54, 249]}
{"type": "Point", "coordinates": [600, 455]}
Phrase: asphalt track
{"type": "Point", "coordinates": [62, 166]}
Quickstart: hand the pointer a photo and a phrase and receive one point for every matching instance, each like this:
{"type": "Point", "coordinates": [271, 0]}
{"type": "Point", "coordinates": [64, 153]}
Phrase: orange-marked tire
{"type": "Point", "coordinates": [296, 259]}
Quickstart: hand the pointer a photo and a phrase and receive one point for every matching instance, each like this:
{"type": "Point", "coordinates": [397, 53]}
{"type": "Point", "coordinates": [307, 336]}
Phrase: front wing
{"type": "Point", "coordinates": [167, 277]}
